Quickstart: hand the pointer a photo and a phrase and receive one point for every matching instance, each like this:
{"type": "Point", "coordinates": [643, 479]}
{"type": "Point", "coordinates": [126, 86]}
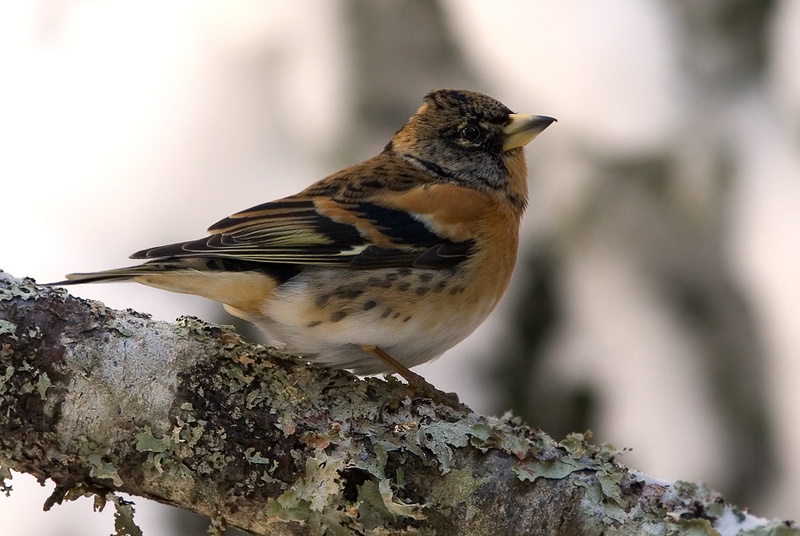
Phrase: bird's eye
{"type": "Point", "coordinates": [470, 133]}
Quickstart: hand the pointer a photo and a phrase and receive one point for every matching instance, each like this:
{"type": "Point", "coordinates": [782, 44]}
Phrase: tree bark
{"type": "Point", "coordinates": [104, 401]}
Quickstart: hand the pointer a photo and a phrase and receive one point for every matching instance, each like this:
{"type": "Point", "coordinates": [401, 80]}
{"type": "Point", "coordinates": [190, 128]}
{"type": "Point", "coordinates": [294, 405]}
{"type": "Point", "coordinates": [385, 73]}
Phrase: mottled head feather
{"type": "Point", "coordinates": [469, 103]}
{"type": "Point", "coordinates": [435, 138]}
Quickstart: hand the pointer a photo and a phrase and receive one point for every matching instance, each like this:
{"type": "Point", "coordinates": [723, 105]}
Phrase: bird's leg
{"type": "Point", "coordinates": [418, 385]}
{"type": "Point", "coordinates": [411, 377]}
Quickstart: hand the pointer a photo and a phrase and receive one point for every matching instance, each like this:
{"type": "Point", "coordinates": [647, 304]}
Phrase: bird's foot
{"type": "Point", "coordinates": [417, 387]}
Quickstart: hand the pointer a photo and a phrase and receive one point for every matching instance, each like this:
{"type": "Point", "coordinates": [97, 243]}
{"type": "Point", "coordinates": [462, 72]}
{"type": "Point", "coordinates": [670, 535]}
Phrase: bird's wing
{"type": "Point", "coordinates": [371, 229]}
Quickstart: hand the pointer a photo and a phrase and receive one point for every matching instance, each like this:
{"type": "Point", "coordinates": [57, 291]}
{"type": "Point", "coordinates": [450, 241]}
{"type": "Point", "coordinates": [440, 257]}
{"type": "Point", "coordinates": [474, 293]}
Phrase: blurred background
{"type": "Point", "coordinates": [656, 299]}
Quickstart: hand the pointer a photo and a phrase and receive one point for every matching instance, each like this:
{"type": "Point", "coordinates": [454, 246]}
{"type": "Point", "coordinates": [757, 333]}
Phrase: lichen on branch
{"type": "Point", "coordinates": [186, 413]}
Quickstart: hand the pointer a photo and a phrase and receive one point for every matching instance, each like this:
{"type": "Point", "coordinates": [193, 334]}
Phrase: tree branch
{"type": "Point", "coordinates": [187, 414]}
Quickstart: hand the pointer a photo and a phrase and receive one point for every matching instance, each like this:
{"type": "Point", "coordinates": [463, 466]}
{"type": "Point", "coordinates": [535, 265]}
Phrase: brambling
{"type": "Point", "coordinates": [384, 265]}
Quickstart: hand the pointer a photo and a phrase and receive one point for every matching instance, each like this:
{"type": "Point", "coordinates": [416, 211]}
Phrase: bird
{"type": "Point", "coordinates": [383, 265]}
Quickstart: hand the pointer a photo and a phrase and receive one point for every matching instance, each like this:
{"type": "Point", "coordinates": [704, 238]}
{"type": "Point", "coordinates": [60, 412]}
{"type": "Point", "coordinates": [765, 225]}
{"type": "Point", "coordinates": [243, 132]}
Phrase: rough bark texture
{"type": "Point", "coordinates": [187, 414]}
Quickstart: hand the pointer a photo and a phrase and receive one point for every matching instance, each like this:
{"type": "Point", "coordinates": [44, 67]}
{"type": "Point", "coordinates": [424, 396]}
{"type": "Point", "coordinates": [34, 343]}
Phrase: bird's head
{"type": "Point", "coordinates": [467, 138]}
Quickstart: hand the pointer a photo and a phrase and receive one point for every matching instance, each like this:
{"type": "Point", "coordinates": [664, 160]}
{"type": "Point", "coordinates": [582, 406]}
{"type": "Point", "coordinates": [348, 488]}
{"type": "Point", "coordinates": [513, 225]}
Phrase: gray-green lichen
{"type": "Point", "coordinates": [8, 328]}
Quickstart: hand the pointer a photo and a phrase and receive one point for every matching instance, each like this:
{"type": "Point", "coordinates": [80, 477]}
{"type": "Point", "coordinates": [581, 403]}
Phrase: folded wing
{"type": "Point", "coordinates": [323, 231]}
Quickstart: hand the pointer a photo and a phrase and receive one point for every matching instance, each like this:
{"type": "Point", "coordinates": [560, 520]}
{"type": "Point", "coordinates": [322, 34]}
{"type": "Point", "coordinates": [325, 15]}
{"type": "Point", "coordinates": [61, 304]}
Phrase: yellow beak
{"type": "Point", "coordinates": [523, 128]}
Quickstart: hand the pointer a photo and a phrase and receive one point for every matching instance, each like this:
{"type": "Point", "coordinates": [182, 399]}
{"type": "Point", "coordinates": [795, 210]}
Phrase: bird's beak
{"type": "Point", "coordinates": [523, 128]}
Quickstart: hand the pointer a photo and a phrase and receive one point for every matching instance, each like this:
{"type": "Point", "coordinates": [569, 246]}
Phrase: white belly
{"type": "Point", "coordinates": [414, 317]}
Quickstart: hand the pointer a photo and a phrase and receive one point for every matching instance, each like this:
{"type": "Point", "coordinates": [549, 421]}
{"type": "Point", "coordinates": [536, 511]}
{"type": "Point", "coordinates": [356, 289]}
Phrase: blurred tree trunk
{"type": "Point", "coordinates": [666, 215]}
{"type": "Point", "coordinates": [399, 50]}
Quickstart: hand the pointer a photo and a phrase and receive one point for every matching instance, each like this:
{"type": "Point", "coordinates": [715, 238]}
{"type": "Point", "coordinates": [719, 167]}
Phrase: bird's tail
{"type": "Point", "coordinates": [242, 286]}
{"type": "Point", "coordinates": [129, 273]}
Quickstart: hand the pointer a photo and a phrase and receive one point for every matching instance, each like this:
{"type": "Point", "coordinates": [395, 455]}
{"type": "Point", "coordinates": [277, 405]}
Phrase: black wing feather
{"type": "Point", "coordinates": [293, 231]}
